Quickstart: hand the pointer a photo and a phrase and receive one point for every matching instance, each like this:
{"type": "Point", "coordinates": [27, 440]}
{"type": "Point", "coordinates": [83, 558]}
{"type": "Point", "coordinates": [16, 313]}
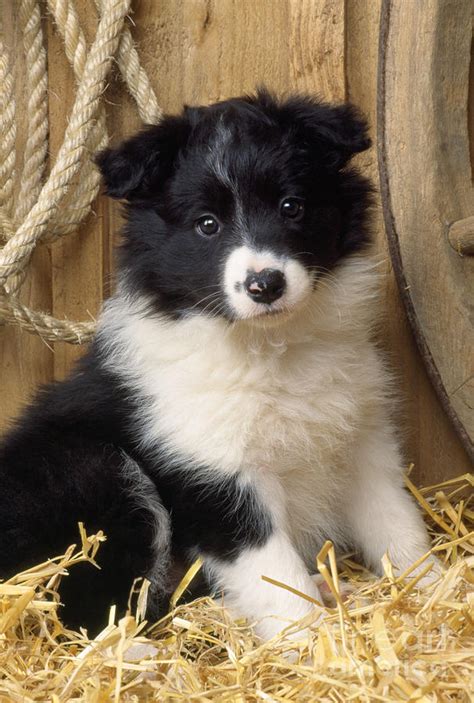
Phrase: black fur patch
{"type": "Point", "coordinates": [257, 150]}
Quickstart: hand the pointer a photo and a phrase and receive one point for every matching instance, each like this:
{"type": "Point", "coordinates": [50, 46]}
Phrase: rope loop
{"type": "Point", "coordinates": [38, 213]}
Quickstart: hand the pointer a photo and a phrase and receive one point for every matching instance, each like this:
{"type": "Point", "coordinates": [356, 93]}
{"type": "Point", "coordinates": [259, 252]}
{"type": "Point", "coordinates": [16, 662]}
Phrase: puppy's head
{"type": "Point", "coordinates": [237, 209]}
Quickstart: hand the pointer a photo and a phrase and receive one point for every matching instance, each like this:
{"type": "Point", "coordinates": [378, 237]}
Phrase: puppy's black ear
{"type": "Point", "coordinates": [334, 132]}
{"type": "Point", "coordinates": [137, 168]}
{"type": "Point", "coordinates": [345, 131]}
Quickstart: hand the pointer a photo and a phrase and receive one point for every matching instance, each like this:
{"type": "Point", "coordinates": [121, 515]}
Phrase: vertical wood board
{"type": "Point", "coordinates": [25, 360]}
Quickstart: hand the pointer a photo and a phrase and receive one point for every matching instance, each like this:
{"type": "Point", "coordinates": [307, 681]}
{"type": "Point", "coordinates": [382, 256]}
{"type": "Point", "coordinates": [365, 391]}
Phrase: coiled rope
{"type": "Point", "coordinates": [40, 213]}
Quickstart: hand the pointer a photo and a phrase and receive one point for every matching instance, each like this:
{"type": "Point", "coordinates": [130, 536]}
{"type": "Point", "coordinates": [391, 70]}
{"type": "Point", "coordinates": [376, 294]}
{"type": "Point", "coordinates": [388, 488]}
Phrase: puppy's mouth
{"type": "Point", "coordinates": [269, 311]}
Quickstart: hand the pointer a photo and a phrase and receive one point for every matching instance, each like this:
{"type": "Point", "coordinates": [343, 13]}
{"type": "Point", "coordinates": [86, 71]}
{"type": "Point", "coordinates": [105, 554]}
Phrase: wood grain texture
{"type": "Point", "coordinates": [198, 51]}
{"type": "Point", "coordinates": [25, 361]}
{"type": "Point", "coordinates": [77, 260]}
{"type": "Point", "coordinates": [426, 185]}
{"type": "Point", "coordinates": [461, 236]}
{"type": "Point", "coordinates": [429, 438]}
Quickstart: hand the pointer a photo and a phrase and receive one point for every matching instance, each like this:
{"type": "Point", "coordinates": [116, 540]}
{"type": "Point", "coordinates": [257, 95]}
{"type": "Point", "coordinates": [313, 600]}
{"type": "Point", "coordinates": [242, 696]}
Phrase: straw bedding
{"type": "Point", "coordinates": [389, 641]}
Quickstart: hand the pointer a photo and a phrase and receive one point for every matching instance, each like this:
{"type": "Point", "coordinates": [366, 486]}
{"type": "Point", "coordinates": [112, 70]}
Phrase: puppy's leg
{"type": "Point", "coordinates": [241, 536]}
{"type": "Point", "coordinates": [381, 516]}
{"type": "Point", "coordinates": [272, 607]}
{"type": "Point", "coordinates": [345, 590]}
{"type": "Point", "coordinates": [47, 490]}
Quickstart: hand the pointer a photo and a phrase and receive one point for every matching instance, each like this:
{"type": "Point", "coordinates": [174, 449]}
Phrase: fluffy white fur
{"type": "Point", "coordinates": [270, 608]}
{"type": "Point", "coordinates": [299, 408]}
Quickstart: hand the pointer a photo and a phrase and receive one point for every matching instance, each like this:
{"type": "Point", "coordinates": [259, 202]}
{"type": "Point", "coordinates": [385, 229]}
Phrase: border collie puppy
{"type": "Point", "coordinates": [232, 404]}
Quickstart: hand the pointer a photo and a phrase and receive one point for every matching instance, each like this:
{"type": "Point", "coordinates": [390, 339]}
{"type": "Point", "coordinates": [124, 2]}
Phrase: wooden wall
{"type": "Point", "coordinates": [197, 51]}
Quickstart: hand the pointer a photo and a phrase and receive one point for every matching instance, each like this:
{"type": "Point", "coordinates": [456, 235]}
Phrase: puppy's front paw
{"type": "Point", "coordinates": [345, 589]}
{"type": "Point", "coordinates": [295, 629]}
{"type": "Point", "coordinates": [296, 639]}
{"type": "Point", "coordinates": [433, 575]}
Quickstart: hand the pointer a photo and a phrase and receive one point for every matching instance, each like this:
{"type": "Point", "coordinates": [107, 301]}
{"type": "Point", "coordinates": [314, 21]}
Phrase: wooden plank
{"type": "Point", "coordinates": [429, 439]}
{"type": "Point", "coordinates": [213, 49]}
{"type": "Point", "coordinates": [317, 48]}
{"type": "Point", "coordinates": [25, 360]}
{"type": "Point", "coordinates": [78, 259]}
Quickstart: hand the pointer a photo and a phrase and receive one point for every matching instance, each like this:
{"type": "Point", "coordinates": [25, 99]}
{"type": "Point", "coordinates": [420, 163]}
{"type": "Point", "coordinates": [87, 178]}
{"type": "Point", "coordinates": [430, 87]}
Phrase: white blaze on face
{"type": "Point", "coordinates": [245, 260]}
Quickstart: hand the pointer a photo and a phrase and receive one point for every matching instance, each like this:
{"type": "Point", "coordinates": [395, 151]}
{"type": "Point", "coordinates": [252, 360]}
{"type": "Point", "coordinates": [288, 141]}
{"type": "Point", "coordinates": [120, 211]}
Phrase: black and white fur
{"type": "Point", "coordinates": [233, 404]}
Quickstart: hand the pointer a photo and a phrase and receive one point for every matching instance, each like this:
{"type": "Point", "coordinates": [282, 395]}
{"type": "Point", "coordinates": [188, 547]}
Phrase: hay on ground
{"type": "Point", "coordinates": [388, 642]}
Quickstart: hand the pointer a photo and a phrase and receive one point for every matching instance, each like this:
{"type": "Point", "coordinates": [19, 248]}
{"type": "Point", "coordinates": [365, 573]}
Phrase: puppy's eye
{"type": "Point", "coordinates": [292, 208]}
{"type": "Point", "coordinates": [207, 225]}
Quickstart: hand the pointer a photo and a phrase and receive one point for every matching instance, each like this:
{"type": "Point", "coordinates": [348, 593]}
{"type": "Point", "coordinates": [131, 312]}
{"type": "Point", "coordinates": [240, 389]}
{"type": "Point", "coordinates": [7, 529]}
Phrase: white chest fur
{"type": "Point", "coordinates": [289, 400]}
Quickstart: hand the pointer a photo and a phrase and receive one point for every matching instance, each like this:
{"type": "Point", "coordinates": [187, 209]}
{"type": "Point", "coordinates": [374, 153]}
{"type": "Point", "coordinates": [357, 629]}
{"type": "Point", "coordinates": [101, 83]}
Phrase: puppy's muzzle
{"type": "Point", "coordinates": [265, 286]}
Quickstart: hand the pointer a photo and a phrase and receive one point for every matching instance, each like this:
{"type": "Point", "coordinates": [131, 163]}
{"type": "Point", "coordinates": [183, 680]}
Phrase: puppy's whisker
{"type": "Point", "coordinates": [327, 278]}
{"type": "Point", "coordinates": [210, 306]}
{"type": "Point", "coordinates": [216, 286]}
{"type": "Point", "coordinates": [210, 297]}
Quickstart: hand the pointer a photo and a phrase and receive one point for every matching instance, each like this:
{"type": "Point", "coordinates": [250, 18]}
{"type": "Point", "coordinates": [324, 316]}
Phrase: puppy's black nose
{"type": "Point", "coordinates": [265, 286]}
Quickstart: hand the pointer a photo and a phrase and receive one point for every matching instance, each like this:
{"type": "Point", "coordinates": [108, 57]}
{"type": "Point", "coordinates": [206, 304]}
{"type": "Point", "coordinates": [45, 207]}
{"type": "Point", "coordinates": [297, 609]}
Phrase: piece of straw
{"type": "Point", "coordinates": [388, 641]}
